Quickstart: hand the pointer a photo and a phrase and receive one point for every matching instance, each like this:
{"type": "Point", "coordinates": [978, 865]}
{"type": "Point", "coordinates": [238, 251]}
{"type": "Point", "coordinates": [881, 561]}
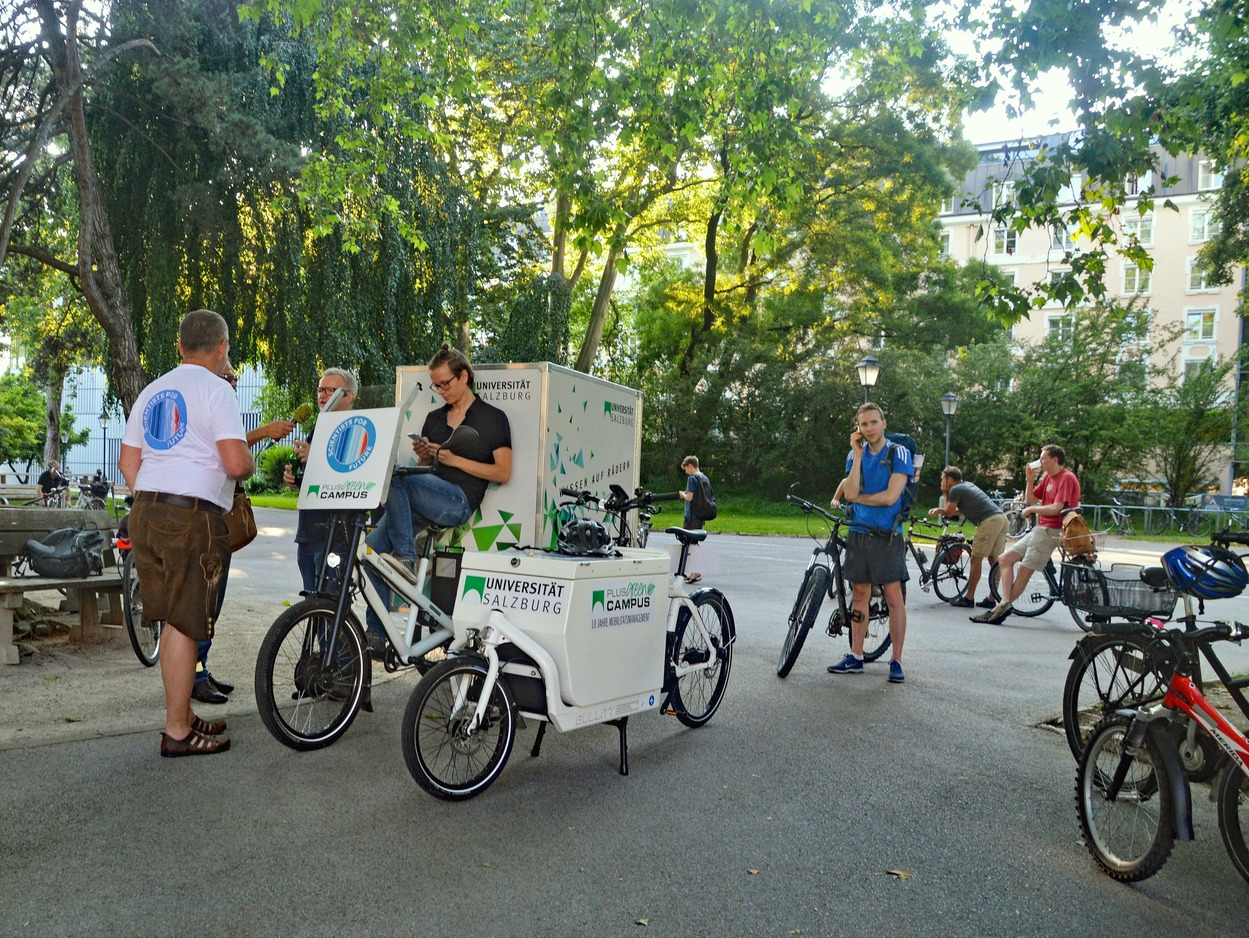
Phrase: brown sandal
{"type": "Point", "coordinates": [195, 744]}
{"type": "Point", "coordinates": [693, 578]}
{"type": "Point", "coordinates": [208, 728]}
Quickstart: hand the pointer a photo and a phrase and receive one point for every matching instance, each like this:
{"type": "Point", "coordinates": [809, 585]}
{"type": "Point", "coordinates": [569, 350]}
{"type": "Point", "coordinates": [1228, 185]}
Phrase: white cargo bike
{"type": "Point", "coordinates": [556, 638]}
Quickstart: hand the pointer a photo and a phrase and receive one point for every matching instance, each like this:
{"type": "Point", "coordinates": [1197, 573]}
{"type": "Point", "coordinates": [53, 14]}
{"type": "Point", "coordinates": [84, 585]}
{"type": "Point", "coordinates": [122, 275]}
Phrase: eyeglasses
{"type": "Point", "coordinates": [332, 390]}
{"type": "Point", "coordinates": [443, 385]}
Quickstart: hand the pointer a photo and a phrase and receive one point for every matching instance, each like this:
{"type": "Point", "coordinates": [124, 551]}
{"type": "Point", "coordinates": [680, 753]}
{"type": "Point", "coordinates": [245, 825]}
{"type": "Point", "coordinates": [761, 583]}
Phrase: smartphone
{"type": "Point", "coordinates": [415, 436]}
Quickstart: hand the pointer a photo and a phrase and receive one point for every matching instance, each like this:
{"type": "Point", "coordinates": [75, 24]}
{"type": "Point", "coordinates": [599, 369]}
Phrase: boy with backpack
{"type": "Point", "coordinates": [878, 472]}
{"type": "Point", "coordinates": [700, 504]}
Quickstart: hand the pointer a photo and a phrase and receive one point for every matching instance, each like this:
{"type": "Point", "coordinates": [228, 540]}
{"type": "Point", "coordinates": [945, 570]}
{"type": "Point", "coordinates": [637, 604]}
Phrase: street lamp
{"type": "Point", "coordinates": [105, 420]}
{"type": "Point", "coordinates": [869, 370]}
{"type": "Point", "coordinates": [949, 407]}
{"type": "Point", "coordinates": [64, 447]}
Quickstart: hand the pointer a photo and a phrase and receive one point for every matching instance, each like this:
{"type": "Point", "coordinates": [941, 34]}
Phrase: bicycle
{"type": "Point", "coordinates": [1012, 506]}
{"type": "Point", "coordinates": [824, 577]}
{"type": "Point", "coordinates": [1120, 520]}
{"type": "Point", "coordinates": [144, 634]}
{"type": "Point", "coordinates": [618, 505]}
{"type": "Point", "coordinates": [92, 495]}
{"type": "Point", "coordinates": [951, 560]}
{"type": "Point", "coordinates": [1110, 668]}
{"type": "Point", "coordinates": [1039, 599]}
{"type": "Point", "coordinates": [460, 723]}
{"type": "Point", "coordinates": [1133, 799]}
{"type": "Point", "coordinates": [1194, 521]}
{"type": "Point", "coordinates": [314, 671]}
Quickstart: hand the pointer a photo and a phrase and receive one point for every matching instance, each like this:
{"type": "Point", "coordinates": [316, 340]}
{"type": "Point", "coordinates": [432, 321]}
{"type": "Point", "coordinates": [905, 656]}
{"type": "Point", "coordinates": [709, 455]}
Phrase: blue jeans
{"type": "Point", "coordinates": [309, 557]}
{"type": "Point", "coordinates": [435, 500]}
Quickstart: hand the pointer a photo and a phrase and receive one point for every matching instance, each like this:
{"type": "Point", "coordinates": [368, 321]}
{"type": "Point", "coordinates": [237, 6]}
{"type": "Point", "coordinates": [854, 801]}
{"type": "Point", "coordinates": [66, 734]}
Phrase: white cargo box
{"type": "Point", "coordinates": [601, 619]}
{"type": "Point", "coordinates": [569, 430]}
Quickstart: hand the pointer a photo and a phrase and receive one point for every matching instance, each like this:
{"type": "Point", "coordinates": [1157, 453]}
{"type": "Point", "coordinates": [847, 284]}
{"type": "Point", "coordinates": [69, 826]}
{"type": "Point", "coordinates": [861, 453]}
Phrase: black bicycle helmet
{"type": "Point", "coordinates": [1206, 571]}
{"type": "Point", "coordinates": [580, 536]}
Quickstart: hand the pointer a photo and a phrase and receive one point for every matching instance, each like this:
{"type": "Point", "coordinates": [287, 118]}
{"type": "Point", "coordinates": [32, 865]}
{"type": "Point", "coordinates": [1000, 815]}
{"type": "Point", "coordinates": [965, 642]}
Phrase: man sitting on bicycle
{"type": "Point", "coordinates": [876, 474]}
{"type": "Point", "coordinates": [1058, 490]}
{"type": "Point", "coordinates": [969, 500]}
{"type": "Point", "coordinates": [50, 482]}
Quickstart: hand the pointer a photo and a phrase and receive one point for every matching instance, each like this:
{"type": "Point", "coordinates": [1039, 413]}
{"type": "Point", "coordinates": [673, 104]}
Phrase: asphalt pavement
{"type": "Point", "coordinates": [813, 805]}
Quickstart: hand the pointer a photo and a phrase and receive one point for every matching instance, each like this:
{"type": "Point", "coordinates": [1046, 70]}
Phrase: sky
{"type": "Point", "coordinates": [1051, 114]}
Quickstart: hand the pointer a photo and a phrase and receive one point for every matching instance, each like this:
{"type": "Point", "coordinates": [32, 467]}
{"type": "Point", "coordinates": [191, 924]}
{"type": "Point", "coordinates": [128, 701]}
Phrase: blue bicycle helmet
{"type": "Point", "coordinates": [1208, 572]}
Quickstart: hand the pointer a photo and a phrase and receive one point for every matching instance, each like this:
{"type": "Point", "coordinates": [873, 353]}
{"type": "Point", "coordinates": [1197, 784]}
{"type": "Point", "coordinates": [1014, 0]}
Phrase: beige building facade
{"type": "Point", "coordinates": [1175, 291]}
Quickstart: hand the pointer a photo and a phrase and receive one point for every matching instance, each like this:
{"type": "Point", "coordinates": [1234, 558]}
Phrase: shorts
{"type": "Point", "coordinates": [1037, 547]}
{"type": "Point", "coordinates": [179, 556]}
{"type": "Point", "coordinates": [990, 539]}
{"type": "Point", "coordinates": [875, 559]}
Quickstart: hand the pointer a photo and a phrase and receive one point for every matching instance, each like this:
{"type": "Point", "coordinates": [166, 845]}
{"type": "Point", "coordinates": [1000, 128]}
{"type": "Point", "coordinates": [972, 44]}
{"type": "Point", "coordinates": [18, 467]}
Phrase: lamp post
{"type": "Point", "coordinates": [869, 370]}
{"type": "Point", "coordinates": [105, 420]}
{"type": "Point", "coordinates": [949, 407]}
{"type": "Point", "coordinates": [64, 448]}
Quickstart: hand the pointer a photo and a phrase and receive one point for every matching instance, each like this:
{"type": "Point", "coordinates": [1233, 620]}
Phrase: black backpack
{"type": "Point", "coordinates": [703, 504]}
{"type": "Point", "coordinates": [67, 553]}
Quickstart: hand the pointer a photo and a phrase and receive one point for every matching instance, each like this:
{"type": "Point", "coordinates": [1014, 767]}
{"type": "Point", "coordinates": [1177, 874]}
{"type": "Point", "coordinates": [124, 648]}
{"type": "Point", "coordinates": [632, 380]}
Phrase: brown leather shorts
{"type": "Point", "coordinates": [179, 554]}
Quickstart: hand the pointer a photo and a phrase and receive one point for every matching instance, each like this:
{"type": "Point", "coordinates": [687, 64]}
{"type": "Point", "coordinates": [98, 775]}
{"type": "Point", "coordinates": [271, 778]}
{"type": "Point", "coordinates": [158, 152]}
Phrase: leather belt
{"type": "Point", "coordinates": [180, 501]}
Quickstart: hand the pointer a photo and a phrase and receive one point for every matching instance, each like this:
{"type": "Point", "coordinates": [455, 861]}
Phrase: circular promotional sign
{"type": "Point", "coordinates": [350, 444]}
{"type": "Point", "coordinates": [165, 419]}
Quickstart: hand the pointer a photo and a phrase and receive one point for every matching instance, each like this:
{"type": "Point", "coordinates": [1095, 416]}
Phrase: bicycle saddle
{"type": "Point", "coordinates": [687, 536]}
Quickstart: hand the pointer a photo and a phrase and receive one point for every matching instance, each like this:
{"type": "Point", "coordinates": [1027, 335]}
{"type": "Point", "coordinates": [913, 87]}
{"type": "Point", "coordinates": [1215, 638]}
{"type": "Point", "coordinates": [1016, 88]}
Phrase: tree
{"type": "Point", "coordinates": [49, 60]}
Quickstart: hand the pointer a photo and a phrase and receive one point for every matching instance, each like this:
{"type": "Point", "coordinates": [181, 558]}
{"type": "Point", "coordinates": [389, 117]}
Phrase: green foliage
{"type": "Point", "coordinates": [272, 463]}
{"type": "Point", "coordinates": [22, 425]}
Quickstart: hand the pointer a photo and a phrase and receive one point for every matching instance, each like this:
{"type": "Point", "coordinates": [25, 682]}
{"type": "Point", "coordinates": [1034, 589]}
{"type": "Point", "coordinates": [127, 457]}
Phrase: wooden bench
{"type": "Point", "coordinates": [17, 526]}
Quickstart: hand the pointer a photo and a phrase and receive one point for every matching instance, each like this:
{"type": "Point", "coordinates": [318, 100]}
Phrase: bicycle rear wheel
{"type": "Point", "coordinates": [949, 572]}
{"type": "Point", "coordinates": [810, 598]}
{"type": "Point", "coordinates": [1157, 521]}
{"type": "Point", "coordinates": [1130, 836]}
{"type": "Point", "coordinates": [878, 641]}
{"type": "Point", "coordinates": [1199, 523]}
{"type": "Point", "coordinates": [1033, 601]}
{"type": "Point", "coordinates": [698, 694]}
{"type": "Point", "coordinates": [1107, 674]}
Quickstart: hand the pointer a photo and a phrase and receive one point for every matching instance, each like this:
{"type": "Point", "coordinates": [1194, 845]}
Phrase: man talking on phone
{"type": "Point", "coordinates": [876, 475]}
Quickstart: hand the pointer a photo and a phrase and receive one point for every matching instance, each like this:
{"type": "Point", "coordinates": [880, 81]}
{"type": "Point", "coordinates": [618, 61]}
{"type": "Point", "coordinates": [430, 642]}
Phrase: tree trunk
{"type": "Point", "coordinates": [598, 315]}
{"type": "Point", "coordinates": [52, 416]}
{"type": "Point", "coordinates": [97, 258]}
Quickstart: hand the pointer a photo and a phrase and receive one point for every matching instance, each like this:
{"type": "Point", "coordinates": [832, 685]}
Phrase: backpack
{"type": "Point", "coordinates": [1076, 539]}
{"type": "Point", "coordinates": [67, 552]}
{"type": "Point", "coordinates": [911, 489]}
{"type": "Point", "coordinates": [703, 504]}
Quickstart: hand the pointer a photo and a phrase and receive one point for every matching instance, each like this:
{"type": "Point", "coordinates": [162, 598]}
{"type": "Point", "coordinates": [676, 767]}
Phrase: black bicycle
{"type": "Point", "coordinates": [619, 505]}
{"type": "Point", "coordinates": [947, 572]}
{"type": "Point", "coordinates": [824, 577]}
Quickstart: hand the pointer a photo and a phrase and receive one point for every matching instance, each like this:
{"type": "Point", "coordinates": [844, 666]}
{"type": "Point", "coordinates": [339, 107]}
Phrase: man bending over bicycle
{"type": "Point", "coordinates": [969, 500]}
{"type": "Point", "coordinates": [876, 474]}
{"type": "Point", "coordinates": [1058, 490]}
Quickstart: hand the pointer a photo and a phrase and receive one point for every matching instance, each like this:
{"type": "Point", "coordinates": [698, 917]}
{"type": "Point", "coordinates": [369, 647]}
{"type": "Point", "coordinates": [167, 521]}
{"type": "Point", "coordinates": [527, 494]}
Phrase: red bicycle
{"type": "Point", "coordinates": [1132, 796]}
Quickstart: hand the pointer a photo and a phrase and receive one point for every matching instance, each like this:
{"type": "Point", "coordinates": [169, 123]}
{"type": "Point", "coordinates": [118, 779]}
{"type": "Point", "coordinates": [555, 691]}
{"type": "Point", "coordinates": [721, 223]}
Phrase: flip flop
{"type": "Point", "coordinates": [693, 578]}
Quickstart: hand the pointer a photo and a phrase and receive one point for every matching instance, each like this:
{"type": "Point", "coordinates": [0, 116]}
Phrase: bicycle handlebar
{"type": "Point", "coordinates": [807, 508]}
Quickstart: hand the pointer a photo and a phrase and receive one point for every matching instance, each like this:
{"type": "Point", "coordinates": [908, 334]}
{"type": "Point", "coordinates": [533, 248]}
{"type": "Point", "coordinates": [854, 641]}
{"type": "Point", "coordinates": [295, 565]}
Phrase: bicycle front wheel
{"type": "Point", "coordinates": [949, 572]}
{"type": "Point", "coordinates": [1035, 600]}
{"type": "Point", "coordinates": [310, 676]}
{"type": "Point", "coordinates": [810, 598]}
{"type": "Point", "coordinates": [1234, 818]}
{"type": "Point", "coordinates": [144, 633]}
{"type": "Point", "coordinates": [877, 640]}
{"type": "Point", "coordinates": [1199, 523]}
{"type": "Point", "coordinates": [1107, 674]}
{"type": "Point", "coordinates": [1016, 524]}
{"type": "Point", "coordinates": [445, 758]}
{"type": "Point", "coordinates": [698, 694]}
{"type": "Point", "coordinates": [1130, 835]}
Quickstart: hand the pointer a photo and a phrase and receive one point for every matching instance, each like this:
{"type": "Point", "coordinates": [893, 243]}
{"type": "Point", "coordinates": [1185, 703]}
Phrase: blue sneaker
{"type": "Point", "coordinates": [847, 665]}
{"type": "Point", "coordinates": [895, 673]}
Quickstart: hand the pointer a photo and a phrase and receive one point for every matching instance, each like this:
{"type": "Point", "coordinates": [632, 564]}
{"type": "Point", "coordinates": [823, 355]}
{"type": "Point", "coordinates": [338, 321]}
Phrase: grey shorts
{"type": "Point", "coordinates": [1037, 547]}
{"type": "Point", "coordinates": [875, 559]}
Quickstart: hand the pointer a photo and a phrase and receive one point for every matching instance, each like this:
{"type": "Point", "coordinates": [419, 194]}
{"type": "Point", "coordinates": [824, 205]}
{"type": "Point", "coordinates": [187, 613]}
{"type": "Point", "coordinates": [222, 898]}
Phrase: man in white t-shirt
{"type": "Point", "coordinates": [182, 451]}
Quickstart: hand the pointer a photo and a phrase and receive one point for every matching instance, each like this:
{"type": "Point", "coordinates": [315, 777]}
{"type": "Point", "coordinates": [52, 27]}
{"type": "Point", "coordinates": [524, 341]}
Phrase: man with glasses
{"type": "Point", "coordinates": [313, 525]}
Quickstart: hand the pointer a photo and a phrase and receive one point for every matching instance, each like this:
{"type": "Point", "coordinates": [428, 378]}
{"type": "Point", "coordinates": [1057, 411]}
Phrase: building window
{"type": "Point", "coordinates": [943, 248]}
{"type": "Point", "coordinates": [1208, 177]}
{"type": "Point", "coordinates": [1194, 365]}
{"type": "Point", "coordinates": [947, 205]}
{"type": "Point", "coordinates": [1062, 239]}
{"type": "Point", "coordinates": [1135, 279]}
{"type": "Point", "coordinates": [1133, 368]}
{"type": "Point", "coordinates": [1202, 226]}
{"type": "Point", "coordinates": [1143, 227]}
{"type": "Point", "coordinates": [1136, 183]}
{"type": "Point", "coordinates": [1199, 278]}
{"type": "Point", "coordinates": [1199, 325]}
{"type": "Point", "coordinates": [1003, 241]}
{"type": "Point", "coordinates": [1003, 193]}
{"type": "Point", "coordinates": [1060, 327]}
{"type": "Point", "coordinates": [1073, 191]}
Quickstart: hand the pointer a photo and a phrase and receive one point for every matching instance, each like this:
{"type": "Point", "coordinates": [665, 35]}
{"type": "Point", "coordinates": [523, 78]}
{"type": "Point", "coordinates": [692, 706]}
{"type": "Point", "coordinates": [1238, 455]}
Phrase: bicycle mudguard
{"type": "Point", "coordinates": [712, 591]}
{"type": "Point", "coordinates": [1176, 778]}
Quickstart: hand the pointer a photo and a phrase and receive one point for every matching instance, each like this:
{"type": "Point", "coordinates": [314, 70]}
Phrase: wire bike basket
{"type": "Point", "coordinates": [1116, 592]}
